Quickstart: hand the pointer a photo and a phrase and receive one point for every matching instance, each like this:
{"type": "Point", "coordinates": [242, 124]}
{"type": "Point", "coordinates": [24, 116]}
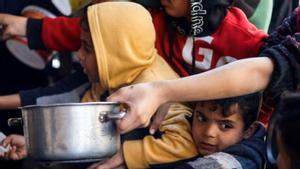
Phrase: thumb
{"type": "Point", "coordinates": [159, 117]}
{"type": "Point", "coordinates": [115, 97]}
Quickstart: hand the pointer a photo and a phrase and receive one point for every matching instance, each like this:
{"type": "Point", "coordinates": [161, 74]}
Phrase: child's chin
{"type": "Point", "coordinates": [205, 152]}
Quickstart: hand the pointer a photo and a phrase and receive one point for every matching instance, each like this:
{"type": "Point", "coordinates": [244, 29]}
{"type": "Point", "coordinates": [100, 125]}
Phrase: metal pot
{"type": "Point", "coordinates": [71, 132]}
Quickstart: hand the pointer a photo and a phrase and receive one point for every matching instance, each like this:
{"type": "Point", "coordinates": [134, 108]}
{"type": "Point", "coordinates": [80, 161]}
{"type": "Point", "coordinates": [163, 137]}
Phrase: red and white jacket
{"type": "Point", "coordinates": [236, 38]}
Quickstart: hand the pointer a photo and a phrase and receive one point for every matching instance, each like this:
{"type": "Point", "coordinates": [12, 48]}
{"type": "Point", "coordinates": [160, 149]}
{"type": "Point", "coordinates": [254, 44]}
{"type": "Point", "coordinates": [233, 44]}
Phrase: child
{"type": "Point", "coordinates": [219, 126]}
{"type": "Point", "coordinates": [116, 52]}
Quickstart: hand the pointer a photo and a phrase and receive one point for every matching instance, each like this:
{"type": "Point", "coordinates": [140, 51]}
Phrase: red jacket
{"type": "Point", "coordinates": [61, 34]}
{"type": "Point", "coordinates": [235, 39]}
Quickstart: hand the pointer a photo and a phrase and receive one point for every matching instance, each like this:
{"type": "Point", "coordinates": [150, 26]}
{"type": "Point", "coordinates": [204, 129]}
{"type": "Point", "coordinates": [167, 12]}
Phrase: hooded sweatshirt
{"type": "Point", "coordinates": [123, 36]}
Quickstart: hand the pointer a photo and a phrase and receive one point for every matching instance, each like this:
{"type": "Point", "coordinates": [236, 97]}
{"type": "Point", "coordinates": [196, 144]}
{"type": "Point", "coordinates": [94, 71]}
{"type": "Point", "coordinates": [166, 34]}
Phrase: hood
{"type": "Point", "coordinates": [123, 36]}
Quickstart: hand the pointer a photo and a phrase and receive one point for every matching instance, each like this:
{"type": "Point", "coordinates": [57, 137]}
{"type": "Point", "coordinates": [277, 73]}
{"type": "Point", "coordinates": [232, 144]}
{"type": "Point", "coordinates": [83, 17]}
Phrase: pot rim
{"type": "Point", "coordinates": [69, 104]}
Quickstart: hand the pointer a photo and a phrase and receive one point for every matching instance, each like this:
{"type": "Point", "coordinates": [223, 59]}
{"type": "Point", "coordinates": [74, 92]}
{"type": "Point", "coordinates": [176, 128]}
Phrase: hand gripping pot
{"type": "Point", "coordinates": [70, 132]}
{"type": "Point", "coordinates": [18, 46]}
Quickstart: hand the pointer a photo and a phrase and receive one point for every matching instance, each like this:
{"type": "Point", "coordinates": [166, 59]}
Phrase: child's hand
{"type": "Point", "coordinates": [116, 162]}
{"type": "Point", "coordinates": [16, 147]}
{"type": "Point", "coordinates": [12, 25]}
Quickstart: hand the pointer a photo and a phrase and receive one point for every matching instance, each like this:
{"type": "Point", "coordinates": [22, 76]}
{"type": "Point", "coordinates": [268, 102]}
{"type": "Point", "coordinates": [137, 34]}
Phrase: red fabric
{"type": "Point", "coordinates": [235, 37]}
{"type": "Point", "coordinates": [61, 34]}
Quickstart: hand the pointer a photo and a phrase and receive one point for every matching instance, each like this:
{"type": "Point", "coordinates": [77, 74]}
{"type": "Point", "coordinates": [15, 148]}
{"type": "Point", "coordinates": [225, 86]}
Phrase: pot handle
{"type": "Point", "coordinates": [106, 116]}
{"type": "Point", "coordinates": [14, 122]}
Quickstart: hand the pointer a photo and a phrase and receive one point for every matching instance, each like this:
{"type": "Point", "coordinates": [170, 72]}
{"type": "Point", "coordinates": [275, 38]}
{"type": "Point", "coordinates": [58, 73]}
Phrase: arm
{"type": "Point", "coordinates": [61, 33]}
{"type": "Point", "coordinates": [234, 79]}
{"type": "Point", "coordinates": [13, 25]}
{"type": "Point", "coordinates": [10, 102]}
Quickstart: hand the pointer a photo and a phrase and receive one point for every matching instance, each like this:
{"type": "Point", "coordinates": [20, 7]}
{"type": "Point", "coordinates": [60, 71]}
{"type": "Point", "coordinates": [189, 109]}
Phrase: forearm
{"type": "Point", "coordinates": [10, 101]}
{"type": "Point", "coordinates": [234, 79]}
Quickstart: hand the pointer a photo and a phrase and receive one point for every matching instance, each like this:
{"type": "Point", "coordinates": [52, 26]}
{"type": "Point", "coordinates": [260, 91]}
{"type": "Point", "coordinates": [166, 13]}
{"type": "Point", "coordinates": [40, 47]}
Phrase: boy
{"type": "Point", "coordinates": [117, 50]}
{"type": "Point", "coordinates": [219, 126]}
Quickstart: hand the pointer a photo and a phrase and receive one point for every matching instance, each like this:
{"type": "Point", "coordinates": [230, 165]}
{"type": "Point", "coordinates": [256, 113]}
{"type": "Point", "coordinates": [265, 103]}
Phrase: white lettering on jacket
{"type": "Point", "coordinates": [206, 53]}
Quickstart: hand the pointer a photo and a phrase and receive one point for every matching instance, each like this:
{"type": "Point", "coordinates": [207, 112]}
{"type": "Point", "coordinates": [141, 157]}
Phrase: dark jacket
{"type": "Point", "coordinates": [248, 154]}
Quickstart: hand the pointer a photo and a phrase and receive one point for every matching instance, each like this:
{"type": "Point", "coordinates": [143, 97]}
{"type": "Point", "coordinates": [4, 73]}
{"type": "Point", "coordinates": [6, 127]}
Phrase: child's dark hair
{"type": "Point", "coordinates": [289, 126]}
{"type": "Point", "coordinates": [249, 106]}
{"type": "Point", "coordinates": [84, 22]}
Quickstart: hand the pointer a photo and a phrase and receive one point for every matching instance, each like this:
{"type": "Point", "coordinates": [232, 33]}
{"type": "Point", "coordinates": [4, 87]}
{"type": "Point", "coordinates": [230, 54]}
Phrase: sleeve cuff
{"type": "Point", "coordinates": [28, 97]}
{"type": "Point", "coordinates": [34, 34]}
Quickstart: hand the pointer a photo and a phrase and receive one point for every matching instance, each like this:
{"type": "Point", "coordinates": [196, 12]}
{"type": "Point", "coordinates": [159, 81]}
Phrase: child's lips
{"type": "Point", "coordinates": [207, 147]}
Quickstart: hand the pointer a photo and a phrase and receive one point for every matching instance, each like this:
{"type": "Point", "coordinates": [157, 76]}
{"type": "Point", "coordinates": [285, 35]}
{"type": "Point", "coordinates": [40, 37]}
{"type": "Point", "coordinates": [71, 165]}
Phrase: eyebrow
{"type": "Point", "coordinates": [226, 121]}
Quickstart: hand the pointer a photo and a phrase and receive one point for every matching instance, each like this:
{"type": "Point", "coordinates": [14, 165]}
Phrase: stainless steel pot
{"type": "Point", "coordinates": [68, 132]}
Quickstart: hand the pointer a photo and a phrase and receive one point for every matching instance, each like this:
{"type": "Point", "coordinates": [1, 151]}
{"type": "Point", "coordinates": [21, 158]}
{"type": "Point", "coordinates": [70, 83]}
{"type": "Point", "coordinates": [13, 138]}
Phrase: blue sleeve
{"type": "Point", "coordinates": [69, 89]}
{"type": "Point", "coordinates": [248, 154]}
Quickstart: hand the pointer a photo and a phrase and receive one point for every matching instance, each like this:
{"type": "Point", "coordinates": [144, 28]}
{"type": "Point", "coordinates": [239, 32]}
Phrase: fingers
{"type": "Point", "coordinates": [159, 117]}
{"type": "Point", "coordinates": [118, 96]}
{"type": "Point", "coordinates": [16, 147]}
{"type": "Point", "coordinates": [12, 26]}
{"type": "Point", "coordinates": [115, 162]}
{"type": "Point", "coordinates": [18, 140]}
{"type": "Point", "coordinates": [131, 121]}
{"type": "Point", "coordinates": [138, 112]}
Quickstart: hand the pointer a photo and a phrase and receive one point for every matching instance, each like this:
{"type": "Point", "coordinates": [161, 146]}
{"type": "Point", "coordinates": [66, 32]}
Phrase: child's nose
{"type": "Point", "coordinates": [211, 130]}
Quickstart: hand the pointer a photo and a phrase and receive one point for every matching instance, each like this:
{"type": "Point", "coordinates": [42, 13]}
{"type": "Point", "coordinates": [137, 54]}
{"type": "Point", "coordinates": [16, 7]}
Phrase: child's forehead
{"type": "Point", "coordinates": [217, 107]}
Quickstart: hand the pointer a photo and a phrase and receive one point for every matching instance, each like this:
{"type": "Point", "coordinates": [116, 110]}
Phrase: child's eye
{"type": "Point", "coordinates": [226, 126]}
{"type": "Point", "coordinates": [201, 117]}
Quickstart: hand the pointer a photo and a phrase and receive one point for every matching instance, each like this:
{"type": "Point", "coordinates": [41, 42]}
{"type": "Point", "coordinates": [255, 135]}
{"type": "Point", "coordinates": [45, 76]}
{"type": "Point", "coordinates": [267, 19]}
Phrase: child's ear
{"type": "Point", "coordinates": [251, 130]}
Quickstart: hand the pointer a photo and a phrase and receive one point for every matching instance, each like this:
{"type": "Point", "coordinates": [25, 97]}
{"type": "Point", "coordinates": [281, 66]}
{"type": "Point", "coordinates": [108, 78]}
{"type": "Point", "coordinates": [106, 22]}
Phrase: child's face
{"type": "Point", "coordinates": [212, 132]}
{"type": "Point", "coordinates": [176, 8]}
{"type": "Point", "coordinates": [283, 159]}
{"type": "Point", "coordinates": [87, 57]}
